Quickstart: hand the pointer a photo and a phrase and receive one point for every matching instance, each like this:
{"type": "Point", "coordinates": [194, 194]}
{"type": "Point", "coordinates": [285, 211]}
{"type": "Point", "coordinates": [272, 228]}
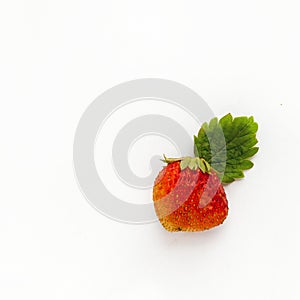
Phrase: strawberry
{"type": "Point", "coordinates": [189, 200]}
{"type": "Point", "coordinates": [188, 193]}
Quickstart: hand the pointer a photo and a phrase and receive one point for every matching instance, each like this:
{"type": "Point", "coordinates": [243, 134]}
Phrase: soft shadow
{"type": "Point", "coordinates": [187, 239]}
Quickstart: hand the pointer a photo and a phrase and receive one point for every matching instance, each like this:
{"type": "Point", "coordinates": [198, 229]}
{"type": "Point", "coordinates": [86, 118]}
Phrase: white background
{"type": "Point", "coordinates": [56, 57]}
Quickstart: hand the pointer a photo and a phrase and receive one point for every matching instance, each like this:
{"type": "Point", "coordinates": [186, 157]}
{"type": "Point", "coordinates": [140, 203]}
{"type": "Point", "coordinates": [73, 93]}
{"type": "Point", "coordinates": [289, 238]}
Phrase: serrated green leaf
{"type": "Point", "coordinates": [246, 164]}
{"type": "Point", "coordinates": [227, 145]}
{"type": "Point", "coordinates": [227, 179]}
{"type": "Point", "coordinates": [251, 152]}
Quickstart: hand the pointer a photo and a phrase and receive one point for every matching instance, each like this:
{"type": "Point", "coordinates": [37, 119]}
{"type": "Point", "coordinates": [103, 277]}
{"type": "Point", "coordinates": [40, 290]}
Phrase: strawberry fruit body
{"type": "Point", "coordinates": [189, 200]}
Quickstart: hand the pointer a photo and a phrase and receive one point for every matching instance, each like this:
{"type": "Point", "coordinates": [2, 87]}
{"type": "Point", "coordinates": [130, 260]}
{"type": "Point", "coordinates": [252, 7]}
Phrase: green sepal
{"type": "Point", "coordinates": [193, 163]}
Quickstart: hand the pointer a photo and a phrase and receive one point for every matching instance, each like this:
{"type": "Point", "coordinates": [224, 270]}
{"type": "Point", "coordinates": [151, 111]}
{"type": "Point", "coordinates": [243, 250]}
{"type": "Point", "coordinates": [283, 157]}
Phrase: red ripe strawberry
{"type": "Point", "coordinates": [188, 194]}
{"type": "Point", "coordinates": [189, 199]}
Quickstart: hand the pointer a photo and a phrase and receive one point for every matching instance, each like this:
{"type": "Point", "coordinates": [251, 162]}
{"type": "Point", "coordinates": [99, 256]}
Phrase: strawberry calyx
{"type": "Point", "coordinates": [193, 163]}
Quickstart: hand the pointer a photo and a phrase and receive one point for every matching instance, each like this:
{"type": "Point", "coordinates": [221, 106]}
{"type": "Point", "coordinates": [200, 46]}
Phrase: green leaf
{"type": "Point", "coordinates": [227, 144]}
